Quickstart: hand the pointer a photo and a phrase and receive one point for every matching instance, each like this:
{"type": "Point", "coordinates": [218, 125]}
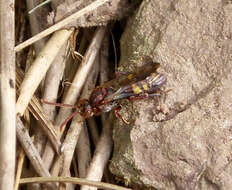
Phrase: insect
{"type": "Point", "coordinates": [144, 82]}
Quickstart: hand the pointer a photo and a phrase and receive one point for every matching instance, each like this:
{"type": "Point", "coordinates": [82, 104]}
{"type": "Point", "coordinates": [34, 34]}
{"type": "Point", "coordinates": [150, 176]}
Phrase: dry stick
{"type": "Point", "coordinates": [83, 152]}
{"type": "Point", "coordinates": [101, 154]}
{"type": "Point", "coordinates": [37, 26]}
{"type": "Point", "coordinates": [76, 86]}
{"type": "Point", "coordinates": [104, 76]}
{"type": "Point", "coordinates": [51, 88]}
{"type": "Point", "coordinates": [37, 111]}
{"type": "Point", "coordinates": [104, 70]}
{"type": "Point", "coordinates": [19, 167]}
{"type": "Point", "coordinates": [94, 133]}
{"type": "Point", "coordinates": [82, 73]}
{"type": "Point", "coordinates": [39, 68]}
{"type": "Point", "coordinates": [31, 151]}
{"type": "Point", "coordinates": [83, 144]}
{"type": "Point", "coordinates": [7, 95]}
{"type": "Point", "coordinates": [50, 92]}
{"type": "Point", "coordinates": [73, 180]}
{"type": "Point", "coordinates": [52, 79]}
{"type": "Point", "coordinates": [73, 135]}
{"type": "Point", "coordinates": [63, 161]}
{"type": "Point", "coordinates": [61, 24]}
{"type": "Point", "coordinates": [104, 60]}
{"type": "Point", "coordinates": [47, 126]}
{"type": "Point", "coordinates": [21, 156]}
{"type": "Point", "coordinates": [75, 130]}
{"type": "Point", "coordinates": [104, 66]}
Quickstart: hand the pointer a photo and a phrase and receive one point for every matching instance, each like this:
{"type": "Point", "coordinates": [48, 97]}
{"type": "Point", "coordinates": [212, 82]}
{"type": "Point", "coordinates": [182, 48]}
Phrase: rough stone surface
{"type": "Point", "coordinates": [192, 149]}
{"type": "Point", "coordinates": [113, 10]}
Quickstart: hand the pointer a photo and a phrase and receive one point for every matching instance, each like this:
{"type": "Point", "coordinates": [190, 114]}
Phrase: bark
{"type": "Point", "coordinates": [7, 95]}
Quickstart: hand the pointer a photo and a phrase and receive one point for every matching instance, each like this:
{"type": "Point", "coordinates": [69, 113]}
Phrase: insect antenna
{"type": "Point", "coordinates": [58, 104]}
{"type": "Point", "coordinates": [64, 105]}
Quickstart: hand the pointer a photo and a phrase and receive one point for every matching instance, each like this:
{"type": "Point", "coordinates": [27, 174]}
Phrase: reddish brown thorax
{"type": "Point", "coordinates": [98, 95]}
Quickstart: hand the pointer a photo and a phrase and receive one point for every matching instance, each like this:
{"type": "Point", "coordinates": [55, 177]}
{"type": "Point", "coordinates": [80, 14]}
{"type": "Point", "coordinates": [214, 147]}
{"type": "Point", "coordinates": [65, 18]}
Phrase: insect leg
{"type": "Point", "coordinates": [143, 96]}
{"type": "Point", "coordinates": [116, 110]}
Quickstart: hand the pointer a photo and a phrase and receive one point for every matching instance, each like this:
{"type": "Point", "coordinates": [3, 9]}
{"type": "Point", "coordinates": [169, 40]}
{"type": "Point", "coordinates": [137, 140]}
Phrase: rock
{"type": "Point", "coordinates": [191, 148]}
{"type": "Point", "coordinates": [111, 11]}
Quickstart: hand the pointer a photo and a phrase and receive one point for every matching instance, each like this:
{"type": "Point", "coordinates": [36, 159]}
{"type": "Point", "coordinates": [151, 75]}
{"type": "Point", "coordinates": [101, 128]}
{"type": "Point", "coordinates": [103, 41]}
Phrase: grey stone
{"type": "Point", "coordinates": [189, 146]}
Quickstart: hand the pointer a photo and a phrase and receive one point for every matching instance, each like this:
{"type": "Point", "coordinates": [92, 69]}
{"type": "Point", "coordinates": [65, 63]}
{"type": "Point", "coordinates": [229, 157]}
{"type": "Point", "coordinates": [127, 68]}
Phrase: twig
{"type": "Point", "coordinates": [39, 68]}
{"type": "Point", "coordinates": [94, 133]}
{"type": "Point", "coordinates": [50, 91]}
{"type": "Point", "coordinates": [76, 86]}
{"type": "Point", "coordinates": [104, 67]}
{"type": "Point", "coordinates": [21, 156]}
{"type": "Point", "coordinates": [101, 154]}
{"type": "Point", "coordinates": [83, 152]}
{"type": "Point", "coordinates": [61, 24]}
{"type": "Point", "coordinates": [74, 133]}
{"type": "Point", "coordinates": [37, 26]}
{"type": "Point", "coordinates": [104, 71]}
{"type": "Point", "coordinates": [19, 168]}
{"type": "Point", "coordinates": [83, 145]}
{"type": "Point", "coordinates": [104, 60]}
{"type": "Point", "coordinates": [81, 74]}
{"type": "Point", "coordinates": [31, 151]}
{"type": "Point", "coordinates": [73, 180]}
{"type": "Point", "coordinates": [63, 162]}
{"type": "Point", "coordinates": [37, 111]}
{"type": "Point", "coordinates": [7, 95]}
{"type": "Point", "coordinates": [104, 76]}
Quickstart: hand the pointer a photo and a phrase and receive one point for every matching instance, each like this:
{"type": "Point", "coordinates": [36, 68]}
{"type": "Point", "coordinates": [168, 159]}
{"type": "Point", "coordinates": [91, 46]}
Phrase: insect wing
{"type": "Point", "coordinates": [109, 106]}
{"type": "Point", "coordinates": [148, 85]}
{"type": "Point", "coordinates": [155, 81]}
{"type": "Point", "coordinates": [139, 74]}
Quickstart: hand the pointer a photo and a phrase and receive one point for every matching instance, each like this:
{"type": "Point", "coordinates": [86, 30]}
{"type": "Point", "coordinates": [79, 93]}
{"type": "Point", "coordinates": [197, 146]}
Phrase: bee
{"type": "Point", "coordinates": [144, 82]}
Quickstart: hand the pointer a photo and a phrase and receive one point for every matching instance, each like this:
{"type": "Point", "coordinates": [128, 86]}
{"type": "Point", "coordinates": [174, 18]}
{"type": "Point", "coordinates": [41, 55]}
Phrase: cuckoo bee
{"type": "Point", "coordinates": [144, 82]}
